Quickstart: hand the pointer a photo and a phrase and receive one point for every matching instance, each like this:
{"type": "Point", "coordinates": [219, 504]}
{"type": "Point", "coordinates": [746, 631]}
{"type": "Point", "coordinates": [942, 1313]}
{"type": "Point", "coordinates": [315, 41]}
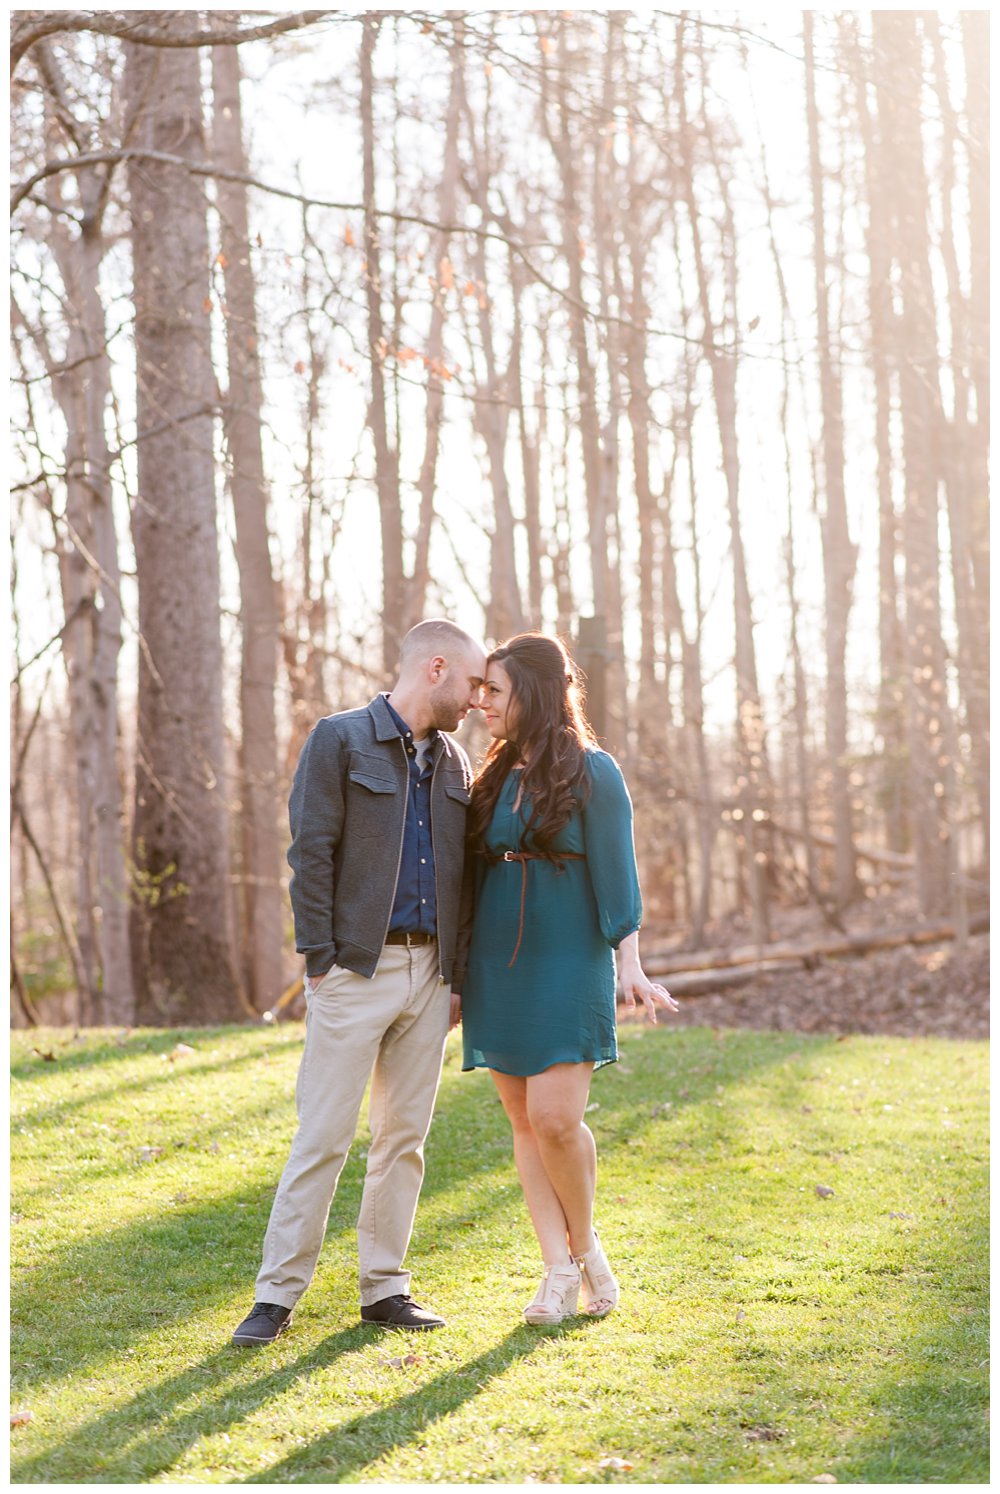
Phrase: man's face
{"type": "Point", "coordinates": [456, 692]}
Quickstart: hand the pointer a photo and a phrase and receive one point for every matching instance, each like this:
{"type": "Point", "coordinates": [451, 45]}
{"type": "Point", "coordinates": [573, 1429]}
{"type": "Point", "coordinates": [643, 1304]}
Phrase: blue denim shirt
{"type": "Point", "coordinates": [414, 907]}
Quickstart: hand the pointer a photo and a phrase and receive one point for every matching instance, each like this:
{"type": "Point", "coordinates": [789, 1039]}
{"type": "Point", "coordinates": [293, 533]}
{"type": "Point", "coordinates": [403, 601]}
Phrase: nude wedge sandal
{"type": "Point", "coordinates": [599, 1285]}
{"type": "Point", "coordinates": [556, 1297]}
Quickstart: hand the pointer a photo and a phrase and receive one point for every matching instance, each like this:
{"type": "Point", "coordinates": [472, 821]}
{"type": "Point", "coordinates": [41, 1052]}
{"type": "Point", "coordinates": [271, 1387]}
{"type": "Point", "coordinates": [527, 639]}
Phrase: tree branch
{"type": "Point", "coordinates": [37, 24]}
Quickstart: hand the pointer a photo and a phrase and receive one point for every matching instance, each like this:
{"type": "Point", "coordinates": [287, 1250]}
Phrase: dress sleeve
{"type": "Point", "coordinates": [610, 850]}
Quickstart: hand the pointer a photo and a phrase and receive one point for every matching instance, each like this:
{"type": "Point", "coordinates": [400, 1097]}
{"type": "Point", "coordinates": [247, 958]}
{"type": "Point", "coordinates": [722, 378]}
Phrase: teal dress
{"type": "Point", "coordinates": [556, 1002]}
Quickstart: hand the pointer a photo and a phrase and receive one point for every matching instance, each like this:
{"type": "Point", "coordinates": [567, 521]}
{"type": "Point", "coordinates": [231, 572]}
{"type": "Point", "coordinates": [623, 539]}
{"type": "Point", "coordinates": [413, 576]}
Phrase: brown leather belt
{"type": "Point", "coordinates": [399, 936]}
{"type": "Point", "coordinates": [524, 857]}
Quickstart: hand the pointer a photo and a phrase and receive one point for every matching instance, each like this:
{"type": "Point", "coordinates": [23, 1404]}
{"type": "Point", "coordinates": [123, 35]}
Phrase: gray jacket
{"type": "Point", "coordinates": [347, 811]}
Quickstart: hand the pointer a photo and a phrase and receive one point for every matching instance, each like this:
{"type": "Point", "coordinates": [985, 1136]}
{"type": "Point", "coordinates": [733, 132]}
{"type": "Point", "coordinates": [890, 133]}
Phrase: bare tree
{"type": "Point", "coordinates": [839, 554]}
{"type": "Point", "coordinates": [753, 810]}
{"type": "Point", "coordinates": [898, 71]}
{"type": "Point", "coordinates": [262, 931]}
{"type": "Point", "coordinates": [181, 937]}
{"type": "Point", "coordinates": [386, 455]}
{"type": "Point", "coordinates": [87, 545]}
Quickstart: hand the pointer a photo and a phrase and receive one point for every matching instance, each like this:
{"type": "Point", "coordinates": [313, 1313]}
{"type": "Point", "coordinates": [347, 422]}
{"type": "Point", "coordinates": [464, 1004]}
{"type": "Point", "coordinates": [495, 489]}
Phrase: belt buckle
{"type": "Point", "coordinates": [509, 855]}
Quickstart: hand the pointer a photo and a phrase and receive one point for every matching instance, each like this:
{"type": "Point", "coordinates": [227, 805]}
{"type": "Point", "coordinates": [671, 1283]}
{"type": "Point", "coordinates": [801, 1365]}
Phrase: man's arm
{"type": "Point", "coordinates": [316, 816]}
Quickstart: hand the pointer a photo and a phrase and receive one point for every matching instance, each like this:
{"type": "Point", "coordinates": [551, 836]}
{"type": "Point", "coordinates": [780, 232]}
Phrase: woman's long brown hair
{"type": "Point", "coordinates": [551, 734]}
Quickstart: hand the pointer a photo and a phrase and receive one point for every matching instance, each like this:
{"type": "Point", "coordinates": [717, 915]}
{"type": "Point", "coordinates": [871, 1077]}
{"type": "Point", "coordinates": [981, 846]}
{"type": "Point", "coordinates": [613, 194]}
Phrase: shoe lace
{"type": "Point", "coordinates": [266, 1310]}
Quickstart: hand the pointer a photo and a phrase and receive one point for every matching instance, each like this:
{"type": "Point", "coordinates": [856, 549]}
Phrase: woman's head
{"type": "Point", "coordinates": [533, 704]}
{"type": "Point", "coordinates": [533, 688]}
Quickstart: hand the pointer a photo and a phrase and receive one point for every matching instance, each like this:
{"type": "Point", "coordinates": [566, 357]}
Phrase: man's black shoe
{"type": "Point", "coordinates": [263, 1324]}
{"type": "Point", "coordinates": [400, 1312]}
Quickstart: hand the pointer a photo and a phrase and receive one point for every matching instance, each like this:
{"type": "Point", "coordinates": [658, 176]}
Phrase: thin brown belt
{"type": "Point", "coordinates": [524, 857]}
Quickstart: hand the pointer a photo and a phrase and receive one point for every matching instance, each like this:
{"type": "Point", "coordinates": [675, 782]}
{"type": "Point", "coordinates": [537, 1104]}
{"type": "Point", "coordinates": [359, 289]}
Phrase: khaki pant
{"type": "Point", "coordinates": [392, 1027]}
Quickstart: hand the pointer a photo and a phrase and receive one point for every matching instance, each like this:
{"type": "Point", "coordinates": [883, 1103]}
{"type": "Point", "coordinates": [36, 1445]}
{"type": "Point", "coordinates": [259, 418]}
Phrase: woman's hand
{"type": "Point", "coordinates": [636, 985]}
{"type": "Point", "coordinates": [455, 1013]}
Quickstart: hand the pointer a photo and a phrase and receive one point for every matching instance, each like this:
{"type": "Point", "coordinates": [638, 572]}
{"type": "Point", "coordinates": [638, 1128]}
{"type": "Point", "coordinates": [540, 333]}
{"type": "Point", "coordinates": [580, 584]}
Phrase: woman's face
{"type": "Point", "coordinates": [498, 703]}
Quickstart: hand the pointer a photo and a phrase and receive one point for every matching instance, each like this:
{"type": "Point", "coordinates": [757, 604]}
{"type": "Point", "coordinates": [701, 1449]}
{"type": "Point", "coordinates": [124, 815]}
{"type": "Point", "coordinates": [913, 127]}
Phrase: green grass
{"type": "Point", "coordinates": [766, 1334]}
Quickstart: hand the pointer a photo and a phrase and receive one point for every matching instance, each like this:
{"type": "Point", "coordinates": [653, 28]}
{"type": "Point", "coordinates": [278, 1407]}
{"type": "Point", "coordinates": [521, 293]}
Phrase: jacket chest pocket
{"type": "Point", "coordinates": [372, 801]}
{"type": "Point", "coordinates": [452, 808]}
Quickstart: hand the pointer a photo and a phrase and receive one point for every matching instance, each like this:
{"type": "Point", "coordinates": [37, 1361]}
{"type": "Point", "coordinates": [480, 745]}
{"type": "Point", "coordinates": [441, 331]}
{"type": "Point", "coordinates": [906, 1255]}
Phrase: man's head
{"type": "Point", "coordinates": [441, 670]}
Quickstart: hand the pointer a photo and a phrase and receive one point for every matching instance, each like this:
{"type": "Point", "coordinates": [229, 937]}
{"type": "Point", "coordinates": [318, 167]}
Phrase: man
{"type": "Point", "coordinates": [377, 813]}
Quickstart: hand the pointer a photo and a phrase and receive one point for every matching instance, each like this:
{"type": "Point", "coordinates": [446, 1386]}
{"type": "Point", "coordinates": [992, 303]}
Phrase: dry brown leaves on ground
{"type": "Point", "coordinates": [927, 991]}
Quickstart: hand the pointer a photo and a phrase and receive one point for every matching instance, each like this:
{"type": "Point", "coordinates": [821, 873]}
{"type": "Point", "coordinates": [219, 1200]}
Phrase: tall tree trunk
{"type": "Point", "coordinates": [958, 443]}
{"type": "Point", "coordinates": [181, 937]}
{"type": "Point", "coordinates": [530, 459]}
{"type": "Point", "coordinates": [694, 702]}
{"type": "Point", "coordinates": [435, 350]}
{"type": "Point", "coordinates": [839, 554]}
{"type": "Point", "coordinates": [490, 415]}
{"type": "Point", "coordinates": [386, 456]}
{"type": "Point", "coordinates": [898, 73]}
{"type": "Point", "coordinates": [608, 209]}
{"type": "Point", "coordinates": [305, 639]}
{"type": "Point", "coordinates": [891, 708]}
{"type": "Point", "coordinates": [801, 787]}
{"type": "Point", "coordinates": [976, 45]}
{"type": "Point", "coordinates": [78, 583]}
{"type": "Point", "coordinates": [89, 563]}
{"type": "Point", "coordinates": [754, 808]}
{"type": "Point", "coordinates": [262, 934]}
{"type": "Point", "coordinates": [566, 151]}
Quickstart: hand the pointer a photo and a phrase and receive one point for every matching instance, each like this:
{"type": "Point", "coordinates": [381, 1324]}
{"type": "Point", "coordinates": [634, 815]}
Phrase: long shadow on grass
{"type": "Point", "coordinates": [150, 1433]}
{"type": "Point", "coordinates": [92, 1052]}
{"type": "Point", "coordinates": [59, 1111]}
{"type": "Point", "coordinates": [358, 1443]}
{"type": "Point", "coordinates": [94, 1297]}
{"type": "Point", "coordinates": [124, 1155]}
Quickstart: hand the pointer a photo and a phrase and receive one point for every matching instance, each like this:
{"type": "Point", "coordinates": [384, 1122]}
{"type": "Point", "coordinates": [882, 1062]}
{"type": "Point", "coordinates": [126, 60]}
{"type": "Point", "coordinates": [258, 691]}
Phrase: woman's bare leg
{"type": "Point", "coordinates": [543, 1202]}
{"type": "Point", "coordinates": [555, 1103]}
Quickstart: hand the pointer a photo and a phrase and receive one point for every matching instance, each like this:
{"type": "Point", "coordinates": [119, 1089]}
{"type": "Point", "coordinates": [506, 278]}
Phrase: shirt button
{"type": "Point", "coordinates": [423, 861]}
{"type": "Point", "coordinates": [423, 900]}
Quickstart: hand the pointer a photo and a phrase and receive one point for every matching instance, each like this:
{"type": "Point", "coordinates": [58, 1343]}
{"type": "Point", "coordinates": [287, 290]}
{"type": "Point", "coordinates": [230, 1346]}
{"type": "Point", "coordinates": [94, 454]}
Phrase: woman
{"type": "Point", "coordinates": [550, 826]}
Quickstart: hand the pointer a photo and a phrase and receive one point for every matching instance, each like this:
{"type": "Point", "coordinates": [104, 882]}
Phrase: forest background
{"type": "Point", "coordinates": [667, 332]}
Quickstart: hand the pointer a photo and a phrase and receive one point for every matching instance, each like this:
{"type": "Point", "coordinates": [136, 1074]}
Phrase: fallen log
{"type": "Point", "coordinates": [773, 956]}
{"type": "Point", "coordinates": [878, 855]}
{"type": "Point", "coordinates": [703, 982]}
